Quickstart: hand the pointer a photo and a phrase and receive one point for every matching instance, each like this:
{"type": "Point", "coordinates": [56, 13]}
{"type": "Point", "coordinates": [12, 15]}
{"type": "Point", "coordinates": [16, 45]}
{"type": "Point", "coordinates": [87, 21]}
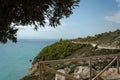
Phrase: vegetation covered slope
{"type": "Point", "coordinates": [67, 49]}
{"type": "Point", "coordinates": [58, 50]}
{"type": "Point", "coordinates": [107, 38]}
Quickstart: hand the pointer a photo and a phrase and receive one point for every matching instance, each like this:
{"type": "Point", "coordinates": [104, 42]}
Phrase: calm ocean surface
{"type": "Point", "coordinates": [14, 58]}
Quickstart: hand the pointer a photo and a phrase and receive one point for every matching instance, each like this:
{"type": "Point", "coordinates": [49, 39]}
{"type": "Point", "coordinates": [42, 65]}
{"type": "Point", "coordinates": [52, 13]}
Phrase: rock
{"type": "Point", "coordinates": [82, 72]}
{"type": "Point", "coordinates": [94, 45]}
{"type": "Point", "coordinates": [110, 74]}
{"type": "Point", "coordinates": [59, 77]}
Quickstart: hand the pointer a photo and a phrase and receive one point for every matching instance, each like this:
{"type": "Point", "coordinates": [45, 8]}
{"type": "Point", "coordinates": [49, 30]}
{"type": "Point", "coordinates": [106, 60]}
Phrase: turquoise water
{"type": "Point", "coordinates": [14, 58]}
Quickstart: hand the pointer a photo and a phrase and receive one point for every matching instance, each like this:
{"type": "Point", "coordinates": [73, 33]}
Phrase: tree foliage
{"type": "Point", "coordinates": [31, 12]}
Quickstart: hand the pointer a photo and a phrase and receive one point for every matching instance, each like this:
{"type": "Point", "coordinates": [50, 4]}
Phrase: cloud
{"type": "Point", "coordinates": [46, 20]}
{"type": "Point", "coordinates": [114, 18]}
{"type": "Point", "coordinates": [118, 1]}
{"type": "Point", "coordinates": [48, 28]}
{"type": "Point", "coordinates": [40, 29]}
{"type": "Point", "coordinates": [24, 27]}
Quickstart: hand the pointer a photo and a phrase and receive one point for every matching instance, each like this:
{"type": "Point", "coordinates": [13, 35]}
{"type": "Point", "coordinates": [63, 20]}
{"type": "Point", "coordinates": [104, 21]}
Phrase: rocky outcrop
{"type": "Point", "coordinates": [111, 74]}
{"type": "Point", "coordinates": [33, 69]}
{"type": "Point", "coordinates": [82, 72]}
{"type": "Point", "coordinates": [59, 77]}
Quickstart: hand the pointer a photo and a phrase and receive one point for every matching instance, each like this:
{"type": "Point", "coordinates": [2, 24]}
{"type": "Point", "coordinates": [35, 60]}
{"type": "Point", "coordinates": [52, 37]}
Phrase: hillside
{"type": "Point", "coordinates": [104, 39]}
{"type": "Point", "coordinates": [67, 49]}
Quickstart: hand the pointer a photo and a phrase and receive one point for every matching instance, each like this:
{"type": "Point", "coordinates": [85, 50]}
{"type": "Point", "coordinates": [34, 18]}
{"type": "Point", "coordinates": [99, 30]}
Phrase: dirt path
{"type": "Point", "coordinates": [98, 46]}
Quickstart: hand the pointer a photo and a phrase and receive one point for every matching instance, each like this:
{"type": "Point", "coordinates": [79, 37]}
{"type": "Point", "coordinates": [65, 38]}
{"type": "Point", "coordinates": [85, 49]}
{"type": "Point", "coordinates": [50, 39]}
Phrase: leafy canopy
{"type": "Point", "coordinates": [31, 12]}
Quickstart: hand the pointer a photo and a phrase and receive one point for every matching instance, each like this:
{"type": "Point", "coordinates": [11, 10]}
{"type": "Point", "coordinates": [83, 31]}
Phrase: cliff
{"type": "Point", "coordinates": [69, 49]}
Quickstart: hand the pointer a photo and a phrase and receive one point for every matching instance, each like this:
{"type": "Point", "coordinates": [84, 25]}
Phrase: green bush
{"type": "Point", "coordinates": [58, 50]}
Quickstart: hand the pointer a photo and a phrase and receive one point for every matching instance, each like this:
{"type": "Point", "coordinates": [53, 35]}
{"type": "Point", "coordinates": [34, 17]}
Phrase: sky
{"type": "Point", "coordinates": [90, 18]}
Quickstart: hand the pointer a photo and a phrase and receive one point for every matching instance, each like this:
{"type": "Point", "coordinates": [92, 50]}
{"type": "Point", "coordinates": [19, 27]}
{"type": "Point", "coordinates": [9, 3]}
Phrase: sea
{"type": "Point", "coordinates": [15, 58]}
